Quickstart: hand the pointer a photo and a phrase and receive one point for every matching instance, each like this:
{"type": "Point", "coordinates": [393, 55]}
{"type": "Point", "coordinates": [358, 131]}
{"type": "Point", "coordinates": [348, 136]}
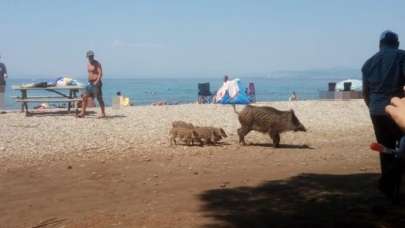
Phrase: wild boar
{"type": "Point", "coordinates": [182, 124]}
{"type": "Point", "coordinates": [208, 135]}
{"type": "Point", "coordinates": [219, 134]}
{"type": "Point", "coordinates": [267, 120]}
{"type": "Point", "coordinates": [187, 135]}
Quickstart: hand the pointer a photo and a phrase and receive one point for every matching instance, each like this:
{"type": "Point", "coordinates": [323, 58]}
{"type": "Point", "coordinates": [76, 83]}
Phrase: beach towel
{"type": "Point", "coordinates": [241, 98]}
{"type": "Point", "coordinates": [229, 87]}
{"type": "Point", "coordinates": [233, 94]}
{"type": "Point", "coordinates": [233, 87]}
{"type": "Point", "coordinates": [222, 91]}
{"type": "Point", "coordinates": [53, 82]}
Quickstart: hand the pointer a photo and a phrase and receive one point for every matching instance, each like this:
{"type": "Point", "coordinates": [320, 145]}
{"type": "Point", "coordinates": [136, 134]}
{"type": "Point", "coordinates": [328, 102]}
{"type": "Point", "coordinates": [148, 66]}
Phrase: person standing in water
{"type": "Point", "coordinates": [94, 88]}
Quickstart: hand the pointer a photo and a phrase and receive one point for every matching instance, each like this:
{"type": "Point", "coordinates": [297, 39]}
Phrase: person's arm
{"type": "Point", "coordinates": [365, 87]}
{"type": "Point", "coordinates": [99, 75]}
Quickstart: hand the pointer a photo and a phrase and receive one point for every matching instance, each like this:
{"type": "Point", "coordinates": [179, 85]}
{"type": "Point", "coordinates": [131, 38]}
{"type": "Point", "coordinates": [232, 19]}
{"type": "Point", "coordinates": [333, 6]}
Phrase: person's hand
{"type": "Point", "coordinates": [397, 111]}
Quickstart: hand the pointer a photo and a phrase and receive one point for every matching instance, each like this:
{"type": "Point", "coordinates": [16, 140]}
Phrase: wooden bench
{"type": "Point", "coordinates": [63, 100]}
{"type": "Point", "coordinates": [59, 100]}
{"type": "Point", "coordinates": [70, 98]}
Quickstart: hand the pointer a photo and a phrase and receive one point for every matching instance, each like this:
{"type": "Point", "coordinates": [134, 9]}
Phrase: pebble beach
{"type": "Point", "coordinates": [139, 130]}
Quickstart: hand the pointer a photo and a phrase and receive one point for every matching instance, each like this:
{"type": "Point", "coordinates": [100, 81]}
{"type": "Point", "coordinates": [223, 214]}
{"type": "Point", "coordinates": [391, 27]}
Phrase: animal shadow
{"type": "Point", "coordinates": [218, 144]}
{"type": "Point", "coordinates": [282, 146]}
{"type": "Point", "coordinates": [306, 200]}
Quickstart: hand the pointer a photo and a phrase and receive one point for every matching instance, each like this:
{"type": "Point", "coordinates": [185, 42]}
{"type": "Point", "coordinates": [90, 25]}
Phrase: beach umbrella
{"type": "Point", "coordinates": [357, 85]}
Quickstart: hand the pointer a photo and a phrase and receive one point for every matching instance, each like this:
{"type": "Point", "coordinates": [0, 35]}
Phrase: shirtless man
{"type": "Point", "coordinates": [93, 89]}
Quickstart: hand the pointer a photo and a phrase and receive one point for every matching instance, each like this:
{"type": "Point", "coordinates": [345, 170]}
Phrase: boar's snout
{"type": "Point", "coordinates": [298, 125]}
{"type": "Point", "coordinates": [301, 128]}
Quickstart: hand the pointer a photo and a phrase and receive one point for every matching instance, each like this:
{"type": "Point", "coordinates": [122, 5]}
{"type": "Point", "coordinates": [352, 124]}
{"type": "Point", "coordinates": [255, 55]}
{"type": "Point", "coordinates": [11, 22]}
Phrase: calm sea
{"type": "Point", "coordinates": [184, 90]}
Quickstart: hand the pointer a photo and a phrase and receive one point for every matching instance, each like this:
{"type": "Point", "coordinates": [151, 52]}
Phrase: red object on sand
{"type": "Point", "coordinates": [377, 147]}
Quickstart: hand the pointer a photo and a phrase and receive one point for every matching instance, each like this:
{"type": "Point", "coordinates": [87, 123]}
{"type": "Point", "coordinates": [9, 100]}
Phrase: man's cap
{"type": "Point", "coordinates": [90, 53]}
{"type": "Point", "coordinates": [389, 35]}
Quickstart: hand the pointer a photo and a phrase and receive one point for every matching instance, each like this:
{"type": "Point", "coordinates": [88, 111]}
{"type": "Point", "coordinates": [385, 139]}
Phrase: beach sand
{"type": "Point", "coordinates": [121, 172]}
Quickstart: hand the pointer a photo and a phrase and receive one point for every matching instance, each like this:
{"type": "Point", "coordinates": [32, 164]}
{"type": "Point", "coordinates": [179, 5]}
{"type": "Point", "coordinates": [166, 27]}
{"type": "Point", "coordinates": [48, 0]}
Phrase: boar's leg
{"type": "Point", "coordinates": [189, 142]}
{"type": "Point", "coordinates": [275, 136]}
{"type": "Point", "coordinates": [242, 132]}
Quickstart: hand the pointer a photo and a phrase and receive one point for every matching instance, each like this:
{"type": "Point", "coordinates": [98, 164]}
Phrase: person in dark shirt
{"type": "Point", "coordinates": [383, 79]}
{"type": "Point", "coordinates": [3, 77]}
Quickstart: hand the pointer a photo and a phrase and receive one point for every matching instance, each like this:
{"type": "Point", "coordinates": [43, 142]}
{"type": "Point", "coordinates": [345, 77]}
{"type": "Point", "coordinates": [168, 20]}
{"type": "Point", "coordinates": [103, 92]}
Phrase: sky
{"type": "Point", "coordinates": [192, 38]}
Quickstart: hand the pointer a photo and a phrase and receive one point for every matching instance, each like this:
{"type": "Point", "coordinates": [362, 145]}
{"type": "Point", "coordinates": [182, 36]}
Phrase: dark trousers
{"type": "Point", "coordinates": [388, 134]}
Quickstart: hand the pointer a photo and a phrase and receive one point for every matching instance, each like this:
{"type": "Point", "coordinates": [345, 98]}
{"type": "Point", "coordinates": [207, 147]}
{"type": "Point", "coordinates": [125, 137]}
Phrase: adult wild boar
{"type": "Point", "coordinates": [267, 120]}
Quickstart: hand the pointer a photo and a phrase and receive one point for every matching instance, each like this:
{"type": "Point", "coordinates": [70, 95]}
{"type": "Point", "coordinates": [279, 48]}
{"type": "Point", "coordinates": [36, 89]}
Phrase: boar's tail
{"type": "Point", "coordinates": [234, 109]}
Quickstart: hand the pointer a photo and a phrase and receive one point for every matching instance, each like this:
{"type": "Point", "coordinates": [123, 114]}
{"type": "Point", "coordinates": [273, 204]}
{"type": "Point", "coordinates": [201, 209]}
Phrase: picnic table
{"type": "Point", "coordinates": [63, 94]}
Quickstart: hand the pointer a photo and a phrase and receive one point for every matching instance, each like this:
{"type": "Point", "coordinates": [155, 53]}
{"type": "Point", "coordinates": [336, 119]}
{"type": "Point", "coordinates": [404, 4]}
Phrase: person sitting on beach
{"type": "Point", "coordinates": [123, 100]}
{"type": "Point", "coordinates": [93, 89]}
{"type": "Point", "coordinates": [41, 106]}
{"type": "Point", "coordinates": [160, 103]}
{"type": "Point", "coordinates": [383, 78]}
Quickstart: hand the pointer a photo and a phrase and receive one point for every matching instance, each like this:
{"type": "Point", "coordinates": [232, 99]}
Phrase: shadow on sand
{"type": "Point", "coordinates": [46, 113]}
{"type": "Point", "coordinates": [108, 117]}
{"type": "Point", "coordinates": [219, 144]}
{"type": "Point", "coordinates": [282, 146]}
{"type": "Point", "coordinates": [306, 200]}
{"type": "Point", "coordinates": [89, 114]}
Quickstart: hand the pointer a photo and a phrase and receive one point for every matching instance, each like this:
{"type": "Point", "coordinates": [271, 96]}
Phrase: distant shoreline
{"type": "Point", "coordinates": [185, 90]}
{"type": "Point", "coordinates": [195, 103]}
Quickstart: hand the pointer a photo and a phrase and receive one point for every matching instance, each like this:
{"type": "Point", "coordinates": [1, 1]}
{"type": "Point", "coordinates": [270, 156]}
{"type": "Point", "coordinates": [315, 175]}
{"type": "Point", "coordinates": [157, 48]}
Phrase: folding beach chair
{"type": "Point", "coordinates": [204, 93]}
{"type": "Point", "coordinates": [347, 86]}
{"type": "Point", "coordinates": [251, 92]}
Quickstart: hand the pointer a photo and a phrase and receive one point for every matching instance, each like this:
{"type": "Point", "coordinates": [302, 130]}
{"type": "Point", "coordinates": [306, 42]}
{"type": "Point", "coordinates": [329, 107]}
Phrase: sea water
{"type": "Point", "coordinates": [185, 90]}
